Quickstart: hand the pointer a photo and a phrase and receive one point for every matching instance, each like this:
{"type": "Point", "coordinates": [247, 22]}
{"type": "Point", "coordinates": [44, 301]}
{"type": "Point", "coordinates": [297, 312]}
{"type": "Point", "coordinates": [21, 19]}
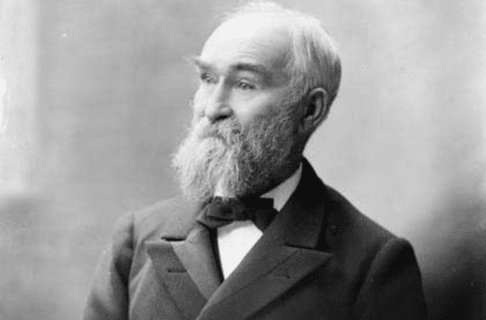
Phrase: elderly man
{"type": "Point", "coordinates": [256, 234]}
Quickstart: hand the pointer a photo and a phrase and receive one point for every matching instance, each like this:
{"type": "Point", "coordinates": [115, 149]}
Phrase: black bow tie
{"type": "Point", "coordinates": [220, 212]}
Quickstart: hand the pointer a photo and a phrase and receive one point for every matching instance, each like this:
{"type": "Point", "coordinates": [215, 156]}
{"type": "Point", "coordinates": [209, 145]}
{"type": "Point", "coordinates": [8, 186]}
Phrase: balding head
{"type": "Point", "coordinates": [313, 59]}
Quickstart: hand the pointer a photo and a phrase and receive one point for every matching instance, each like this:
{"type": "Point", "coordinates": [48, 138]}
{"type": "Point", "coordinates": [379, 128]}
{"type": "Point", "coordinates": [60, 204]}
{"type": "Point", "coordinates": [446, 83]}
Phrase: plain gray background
{"type": "Point", "coordinates": [94, 100]}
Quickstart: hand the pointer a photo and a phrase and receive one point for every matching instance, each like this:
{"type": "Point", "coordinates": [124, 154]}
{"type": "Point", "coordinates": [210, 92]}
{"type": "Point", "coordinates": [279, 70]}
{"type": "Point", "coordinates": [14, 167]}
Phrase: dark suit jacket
{"type": "Point", "coordinates": [319, 259]}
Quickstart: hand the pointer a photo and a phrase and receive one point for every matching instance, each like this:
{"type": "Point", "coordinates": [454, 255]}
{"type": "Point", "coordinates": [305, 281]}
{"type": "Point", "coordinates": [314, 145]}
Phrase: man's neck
{"type": "Point", "coordinates": [280, 193]}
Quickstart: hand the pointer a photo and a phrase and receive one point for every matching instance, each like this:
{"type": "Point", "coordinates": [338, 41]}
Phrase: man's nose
{"type": "Point", "coordinates": [219, 107]}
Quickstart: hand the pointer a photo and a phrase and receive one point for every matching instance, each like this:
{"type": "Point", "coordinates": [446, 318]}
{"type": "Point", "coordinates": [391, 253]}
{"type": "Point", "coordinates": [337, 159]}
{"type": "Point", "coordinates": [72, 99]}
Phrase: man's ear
{"type": "Point", "coordinates": [316, 109]}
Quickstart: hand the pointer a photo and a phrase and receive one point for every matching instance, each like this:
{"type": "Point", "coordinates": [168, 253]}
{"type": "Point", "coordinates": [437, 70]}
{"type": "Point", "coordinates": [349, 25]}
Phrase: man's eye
{"type": "Point", "coordinates": [243, 85]}
{"type": "Point", "coordinates": [207, 78]}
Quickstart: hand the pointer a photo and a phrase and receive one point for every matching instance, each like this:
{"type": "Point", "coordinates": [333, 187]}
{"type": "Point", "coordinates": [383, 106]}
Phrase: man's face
{"type": "Point", "coordinates": [243, 130]}
{"type": "Point", "coordinates": [242, 70]}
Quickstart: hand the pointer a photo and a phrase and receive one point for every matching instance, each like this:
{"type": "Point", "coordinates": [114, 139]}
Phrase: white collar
{"type": "Point", "coordinates": [281, 193]}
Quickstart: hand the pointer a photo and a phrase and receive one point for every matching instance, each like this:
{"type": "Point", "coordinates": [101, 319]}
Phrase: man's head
{"type": "Point", "coordinates": [268, 77]}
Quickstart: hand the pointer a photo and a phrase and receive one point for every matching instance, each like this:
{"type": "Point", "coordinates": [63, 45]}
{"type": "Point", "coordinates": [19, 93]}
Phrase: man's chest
{"type": "Point", "coordinates": [234, 241]}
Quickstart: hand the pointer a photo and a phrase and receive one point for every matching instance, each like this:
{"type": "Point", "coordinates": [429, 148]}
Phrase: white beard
{"type": "Point", "coordinates": [239, 161]}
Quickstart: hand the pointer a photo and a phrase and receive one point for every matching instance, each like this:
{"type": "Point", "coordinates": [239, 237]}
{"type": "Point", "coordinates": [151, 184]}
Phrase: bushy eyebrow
{"type": "Point", "coordinates": [199, 63]}
{"type": "Point", "coordinates": [251, 67]}
{"type": "Point", "coordinates": [240, 66]}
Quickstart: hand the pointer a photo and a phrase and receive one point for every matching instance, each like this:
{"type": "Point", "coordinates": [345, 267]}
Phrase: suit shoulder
{"type": "Point", "coordinates": [349, 226]}
{"type": "Point", "coordinates": [362, 247]}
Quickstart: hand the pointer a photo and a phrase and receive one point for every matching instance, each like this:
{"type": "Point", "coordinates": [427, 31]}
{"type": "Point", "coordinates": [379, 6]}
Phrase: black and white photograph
{"type": "Point", "coordinates": [242, 159]}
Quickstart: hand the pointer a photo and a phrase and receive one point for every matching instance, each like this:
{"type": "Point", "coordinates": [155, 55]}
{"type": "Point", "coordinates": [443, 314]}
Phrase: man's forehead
{"type": "Point", "coordinates": [246, 43]}
{"type": "Point", "coordinates": [249, 28]}
{"type": "Point", "coordinates": [249, 23]}
{"type": "Point", "coordinates": [236, 66]}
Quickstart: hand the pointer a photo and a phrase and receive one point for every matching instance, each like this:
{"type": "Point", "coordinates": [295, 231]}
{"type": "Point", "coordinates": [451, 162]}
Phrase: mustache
{"type": "Point", "coordinates": [228, 130]}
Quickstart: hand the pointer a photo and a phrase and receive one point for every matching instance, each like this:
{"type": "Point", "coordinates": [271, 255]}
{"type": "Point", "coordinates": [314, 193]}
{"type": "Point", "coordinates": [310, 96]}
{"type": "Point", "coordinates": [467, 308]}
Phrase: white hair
{"type": "Point", "coordinates": [314, 61]}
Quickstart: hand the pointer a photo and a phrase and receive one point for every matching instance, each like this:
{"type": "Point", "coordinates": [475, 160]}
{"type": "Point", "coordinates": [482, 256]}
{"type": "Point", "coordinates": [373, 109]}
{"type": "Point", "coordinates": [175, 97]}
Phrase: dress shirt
{"type": "Point", "coordinates": [237, 238]}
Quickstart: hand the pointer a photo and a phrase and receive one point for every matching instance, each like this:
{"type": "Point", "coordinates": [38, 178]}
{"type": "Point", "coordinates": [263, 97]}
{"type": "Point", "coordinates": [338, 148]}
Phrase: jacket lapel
{"type": "Point", "coordinates": [184, 262]}
{"type": "Point", "coordinates": [286, 253]}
